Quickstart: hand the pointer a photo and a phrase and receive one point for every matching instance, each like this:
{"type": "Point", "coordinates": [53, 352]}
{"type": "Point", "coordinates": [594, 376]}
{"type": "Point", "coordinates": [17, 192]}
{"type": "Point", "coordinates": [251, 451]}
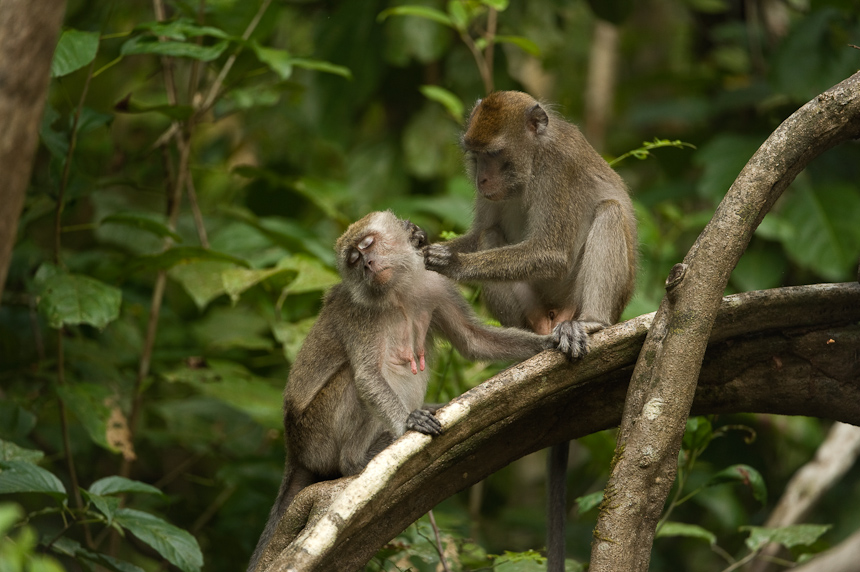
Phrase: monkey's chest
{"type": "Point", "coordinates": [405, 357]}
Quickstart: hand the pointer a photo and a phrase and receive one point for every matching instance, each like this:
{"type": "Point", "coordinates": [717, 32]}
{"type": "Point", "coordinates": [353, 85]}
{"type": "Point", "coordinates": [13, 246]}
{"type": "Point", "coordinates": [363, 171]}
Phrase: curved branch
{"type": "Point", "coordinates": [528, 407]}
{"type": "Point", "coordinates": [664, 381]}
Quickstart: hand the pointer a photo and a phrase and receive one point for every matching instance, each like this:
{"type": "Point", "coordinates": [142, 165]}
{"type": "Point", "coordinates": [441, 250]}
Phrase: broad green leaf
{"type": "Point", "coordinates": [181, 255]}
{"type": "Point", "coordinates": [524, 44]}
{"type": "Point", "coordinates": [317, 190]}
{"type": "Point", "coordinates": [94, 407]}
{"type": "Point", "coordinates": [238, 280]}
{"type": "Point", "coordinates": [182, 29]}
{"type": "Point", "coordinates": [279, 61]}
{"type": "Point", "coordinates": [233, 327]}
{"type": "Point", "coordinates": [788, 536]}
{"type": "Point", "coordinates": [420, 11]}
{"type": "Point", "coordinates": [689, 530]}
{"type": "Point", "coordinates": [174, 544]}
{"type": "Point", "coordinates": [74, 50]}
{"type": "Point", "coordinates": [106, 505]}
{"type": "Point", "coordinates": [323, 66]}
{"type": "Point", "coordinates": [15, 421]}
{"type": "Point", "coordinates": [202, 280]}
{"type": "Point", "coordinates": [428, 144]}
{"type": "Point", "coordinates": [721, 160]}
{"type": "Point", "coordinates": [698, 433]}
{"type": "Point", "coordinates": [232, 384]}
{"type": "Point", "coordinates": [587, 502]}
{"type": "Point", "coordinates": [500, 5]}
{"type": "Point", "coordinates": [70, 299]}
{"type": "Point", "coordinates": [745, 475]}
{"type": "Point", "coordinates": [116, 484]}
{"type": "Point", "coordinates": [449, 101]}
{"type": "Point", "coordinates": [459, 15]}
{"type": "Point", "coordinates": [141, 222]}
{"type": "Point", "coordinates": [56, 142]}
{"type": "Point", "coordinates": [24, 477]}
{"type": "Point", "coordinates": [11, 452]}
{"type": "Point", "coordinates": [825, 233]}
{"type": "Point", "coordinates": [292, 335]}
{"type": "Point", "coordinates": [178, 112]}
{"type": "Point", "coordinates": [313, 275]}
{"type": "Point", "coordinates": [150, 45]}
{"type": "Point", "coordinates": [68, 547]}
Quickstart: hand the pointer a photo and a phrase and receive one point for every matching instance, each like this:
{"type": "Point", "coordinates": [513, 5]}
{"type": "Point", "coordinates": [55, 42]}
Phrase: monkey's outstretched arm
{"type": "Point", "coordinates": [527, 260]}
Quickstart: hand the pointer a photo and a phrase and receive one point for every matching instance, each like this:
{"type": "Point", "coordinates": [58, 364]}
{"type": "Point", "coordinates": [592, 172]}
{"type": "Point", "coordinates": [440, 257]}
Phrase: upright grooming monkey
{"type": "Point", "coordinates": [359, 380]}
{"type": "Point", "coordinates": [553, 241]}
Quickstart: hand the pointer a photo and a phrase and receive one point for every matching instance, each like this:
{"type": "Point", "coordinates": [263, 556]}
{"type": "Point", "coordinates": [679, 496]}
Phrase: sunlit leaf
{"type": "Point", "coordinates": [420, 11]}
{"type": "Point", "coordinates": [202, 280]}
{"type": "Point", "coordinates": [116, 484]}
{"type": "Point", "coordinates": [689, 530]}
{"type": "Point", "coordinates": [459, 15]}
{"type": "Point", "coordinates": [788, 536]}
{"type": "Point", "coordinates": [323, 66]}
{"type": "Point", "coordinates": [524, 44]}
{"type": "Point", "coordinates": [312, 274]}
{"type": "Point", "coordinates": [449, 101]}
{"type": "Point", "coordinates": [174, 544]}
{"type": "Point", "coordinates": [136, 220]}
{"type": "Point", "coordinates": [24, 477]}
{"type": "Point", "coordinates": [70, 299]}
{"type": "Point", "coordinates": [150, 45]}
{"type": "Point", "coordinates": [279, 61]}
{"type": "Point", "coordinates": [292, 335]}
{"type": "Point", "coordinates": [92, 405]}
{"type": "Point", "coordinates": [74, 50]}
{"type": "Point", "coordinates": [500, 5]}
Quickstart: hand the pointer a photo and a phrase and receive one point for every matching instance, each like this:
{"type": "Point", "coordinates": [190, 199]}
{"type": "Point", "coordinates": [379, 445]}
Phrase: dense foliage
{"type": "Point", "coordinates": [194, 173]}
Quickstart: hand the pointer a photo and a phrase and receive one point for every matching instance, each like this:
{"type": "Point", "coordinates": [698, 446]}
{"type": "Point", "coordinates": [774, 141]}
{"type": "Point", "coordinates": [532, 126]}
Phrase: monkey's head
{"type": "Point", "coordinates": [378, 252]}
{"type": "Point", "coordinates": [504, 131]}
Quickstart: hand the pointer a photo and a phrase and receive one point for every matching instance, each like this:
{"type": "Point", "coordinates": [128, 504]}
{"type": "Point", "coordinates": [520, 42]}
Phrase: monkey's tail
{"type": "Point", "coordinates": [285, 497]}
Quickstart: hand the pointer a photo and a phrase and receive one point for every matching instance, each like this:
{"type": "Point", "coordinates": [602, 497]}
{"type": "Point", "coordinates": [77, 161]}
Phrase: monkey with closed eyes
{"type": "Point", "coordinates": [359, 380]}
{"type": "Point", "coordinates": [553, 240]}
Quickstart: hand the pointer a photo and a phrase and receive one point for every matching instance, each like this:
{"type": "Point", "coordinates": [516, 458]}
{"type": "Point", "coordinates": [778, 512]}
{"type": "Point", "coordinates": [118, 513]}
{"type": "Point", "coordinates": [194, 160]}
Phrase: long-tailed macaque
{"type": "Point", "coordinates": [553, 241]}
{"type": "Point", "coordinates": [359, 380]}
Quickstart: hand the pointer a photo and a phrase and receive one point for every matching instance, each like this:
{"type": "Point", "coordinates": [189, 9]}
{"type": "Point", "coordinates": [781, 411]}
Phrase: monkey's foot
{"type": "Point", "coordinates": [423, 421]}
{"type": "Point", "coordinates": [570, 338]}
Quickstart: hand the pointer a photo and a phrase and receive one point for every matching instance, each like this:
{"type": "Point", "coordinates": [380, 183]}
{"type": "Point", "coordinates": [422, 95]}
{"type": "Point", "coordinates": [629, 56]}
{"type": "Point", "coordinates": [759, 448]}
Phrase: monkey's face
{"type": "Point", "coordinates": [493, 174]}
{"type": "Point", "coordinates": [378, 250]}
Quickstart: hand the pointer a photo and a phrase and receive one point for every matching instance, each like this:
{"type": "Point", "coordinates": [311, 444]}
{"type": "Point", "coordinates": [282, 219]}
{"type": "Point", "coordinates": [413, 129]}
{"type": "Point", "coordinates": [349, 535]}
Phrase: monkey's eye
{"type": "Point", "coordinates": [353, 257]}
{"type": "Point", "coordinates": [493, 154]}
{"type": "Point", "coordinates": [365, 242]}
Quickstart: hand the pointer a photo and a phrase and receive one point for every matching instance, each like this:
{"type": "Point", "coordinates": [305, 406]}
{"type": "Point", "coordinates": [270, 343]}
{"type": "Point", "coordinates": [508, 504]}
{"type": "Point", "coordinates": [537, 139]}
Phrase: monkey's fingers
{"type": "Point", "coordinates": [570, 338]}
{"type": "Point", "coordinates": [423, 421]}
{"type": "Point", "coordinates": [437, 256]}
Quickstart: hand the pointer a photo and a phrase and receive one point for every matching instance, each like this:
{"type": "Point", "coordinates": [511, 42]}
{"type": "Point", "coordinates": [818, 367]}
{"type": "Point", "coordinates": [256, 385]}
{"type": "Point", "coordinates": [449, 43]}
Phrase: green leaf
{"type": "Point", "coordinates": [459, 15]}
{"type": "Point", "coordinates": [500, 5]}
{"type": "Point", "coordinates": [587, 502]}
{"type": "Point", "coordinates": [149, 45]}
{"type": "Point", "coordinates": [106, 505]}
{"type": "Point", "coordinates": [238, 280]}
{"type": "Point", "coordinates": [201, 280]}
{"type": "Point", "coordinates": [449, 101]}
{"type": "Point", "coordinates": [232, 384]}
{"type": "Point", "coordinates": [745, 475]}
{"type": "Point", "coordinates": [524, 44]}
{"type": "Point", "coordinates": [74, 50]}
{"type": "Point", "coordinates": [279, 61]}
{"type": "Point", "coordinates": [10, 513]}
{"type": "Point", "coordinates": [698, 434]}
{"type": "Point", "coordinates": [173, 543]}
{"type": "Point", "coordinates": [178, 112]}
{"type": "Point", "coordinates": [11, 452]}
{"type": "Point", "coordinates": [24, 477]}
{"type": "Point", "coordinates": [670, 528]}
{"type": "Point", "coordinates": [116, 484]}
{"type": "Point", "coordinates": [788, 536]}
{"type": "Point", "coordinates": [68, 547]}
{"type": "Point", "coordinates": [181, 255]}
{"type": "Point", "coordinates": [420, 11]}
{"type": "Point", "coordinates": [312, 276]}
{"type": "Point", "coordinates": [292, 335]}
{"type": "Point", "coordinates": [92, 405]}
{"type": "Point", "coordinates": [182, 29]}
{"type": "Point", "coordinates": [825, 236]}
{"type": "Point", "coordinates": [70, 299]}
{"type": "Point", "coordinates": [323, 66]}
{"type": "Point", "coordinates": [141, 222]}
{"type": "Point", "coordinates": [721, 160]}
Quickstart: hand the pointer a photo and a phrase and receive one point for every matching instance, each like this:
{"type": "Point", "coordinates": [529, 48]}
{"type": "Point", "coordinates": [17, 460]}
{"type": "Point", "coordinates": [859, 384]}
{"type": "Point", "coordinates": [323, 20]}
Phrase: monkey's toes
{"type": "Point", "coordinates": [424, 422]}
{"type": "Point", "coordinates": [571, 338]}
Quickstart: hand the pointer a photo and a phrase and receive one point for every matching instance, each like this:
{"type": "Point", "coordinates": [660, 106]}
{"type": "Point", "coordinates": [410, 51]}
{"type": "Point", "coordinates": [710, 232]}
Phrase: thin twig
{"type": "Point", "coordinates": [489, 51]}
{"type": "Point", "coordinates": [195, 210]}
{"type": "Point", "coordinates": [438, 542]}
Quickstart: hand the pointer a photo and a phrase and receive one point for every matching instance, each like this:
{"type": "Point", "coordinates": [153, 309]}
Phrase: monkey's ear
{"type": "Point", "coordinates": [537, 119]}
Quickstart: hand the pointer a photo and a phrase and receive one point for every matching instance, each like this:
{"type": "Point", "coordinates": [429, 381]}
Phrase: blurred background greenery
{"type": "Point", "coordinates": [324, 115]}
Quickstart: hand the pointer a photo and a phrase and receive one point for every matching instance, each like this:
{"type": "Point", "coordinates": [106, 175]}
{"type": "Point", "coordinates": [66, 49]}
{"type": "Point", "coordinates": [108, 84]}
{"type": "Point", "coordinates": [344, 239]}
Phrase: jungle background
{"type": "Point", "coordinates": [199, 170]}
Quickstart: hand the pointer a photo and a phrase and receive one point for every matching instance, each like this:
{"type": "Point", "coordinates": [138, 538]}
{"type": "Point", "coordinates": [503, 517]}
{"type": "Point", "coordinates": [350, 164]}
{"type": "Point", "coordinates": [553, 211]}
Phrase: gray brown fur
{"type": "Point", "coordinates": [359, 380]}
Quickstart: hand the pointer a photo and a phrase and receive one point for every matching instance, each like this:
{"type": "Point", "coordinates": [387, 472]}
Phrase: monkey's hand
{"type": "Point", "coordinates": [440, 258]}
{"type": "Point", "coordinates": [570, 338]}
{"type": "Point", "coordinates": [423, 421]}
{"type": "Point", "coordinates": [417, 236]}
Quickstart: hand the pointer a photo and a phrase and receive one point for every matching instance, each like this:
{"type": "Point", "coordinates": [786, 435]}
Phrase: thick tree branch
{"type": "Point", "coordinates": [664, 381]}
{"type": "Point", "coordinates": [770, 353]}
